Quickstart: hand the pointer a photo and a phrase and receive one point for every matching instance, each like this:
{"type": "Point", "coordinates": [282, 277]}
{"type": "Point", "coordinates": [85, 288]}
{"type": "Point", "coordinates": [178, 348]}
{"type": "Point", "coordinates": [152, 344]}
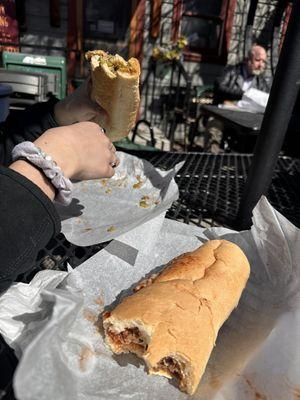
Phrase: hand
{"type": "Point", "coordinates": [78, 107]}
{"type": "Point", "coordinates": [81, 150]}
{"type": "Point", "coordinates": [229, 103]}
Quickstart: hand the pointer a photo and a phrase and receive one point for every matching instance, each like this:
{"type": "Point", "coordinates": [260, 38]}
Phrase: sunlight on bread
{"type": "Point", "coordinates": [172, 320]}
{"type": "Point", "coordinates": [115, 87]}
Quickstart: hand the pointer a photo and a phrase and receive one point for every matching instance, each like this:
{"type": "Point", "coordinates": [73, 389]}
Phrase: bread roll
{"type": "Point", "coordinates": [173, 322]}
{"type": "Point", "coordinates": [115, 87]}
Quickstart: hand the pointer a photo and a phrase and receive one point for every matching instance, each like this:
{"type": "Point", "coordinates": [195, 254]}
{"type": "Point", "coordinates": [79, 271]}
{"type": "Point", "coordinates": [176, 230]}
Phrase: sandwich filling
{"type": "Point", "coordinates": [113, 62]}
{"type": "Point", "coordinates": [174, 369]}
{"type": "Point", "coordinates": [130, 339]}
{"type": "Point", "coordinates": [171, 366]}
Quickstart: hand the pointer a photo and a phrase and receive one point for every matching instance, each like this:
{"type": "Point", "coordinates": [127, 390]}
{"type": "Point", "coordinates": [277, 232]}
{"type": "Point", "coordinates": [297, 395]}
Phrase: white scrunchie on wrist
{"type": "Point", "coordinates": [44, 162]}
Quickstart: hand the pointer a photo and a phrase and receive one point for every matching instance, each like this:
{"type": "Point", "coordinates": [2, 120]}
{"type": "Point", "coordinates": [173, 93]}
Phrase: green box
{"type": "Point", "coordinates": [53, 66]}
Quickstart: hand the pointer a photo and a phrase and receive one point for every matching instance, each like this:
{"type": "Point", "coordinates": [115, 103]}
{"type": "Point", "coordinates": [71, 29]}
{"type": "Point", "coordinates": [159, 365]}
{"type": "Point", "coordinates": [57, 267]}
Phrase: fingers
{"type": "Point", "coordinates": [112, 148]}
{"type": "Point", "coordinates": [112, 166]}
{"type": "Point", "coordinates": [114, 162]}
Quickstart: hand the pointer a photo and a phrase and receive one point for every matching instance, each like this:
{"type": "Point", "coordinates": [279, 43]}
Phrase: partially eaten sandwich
{"type": "Point", "coordinates": [115, 87]}
{"type": "Point", "coordinates": [173, 320]}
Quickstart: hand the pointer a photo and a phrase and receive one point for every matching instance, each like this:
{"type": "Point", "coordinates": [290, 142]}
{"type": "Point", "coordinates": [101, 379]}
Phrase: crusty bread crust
{"type": "Point", "coordinates": [117, 92]}
{"type": "Point", "coordinates": [183, 308]}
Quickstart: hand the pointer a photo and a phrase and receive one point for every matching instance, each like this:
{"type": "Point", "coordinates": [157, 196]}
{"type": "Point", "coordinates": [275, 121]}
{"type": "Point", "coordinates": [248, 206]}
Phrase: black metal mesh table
{"type": "Point", "coordinates": [210, 188]}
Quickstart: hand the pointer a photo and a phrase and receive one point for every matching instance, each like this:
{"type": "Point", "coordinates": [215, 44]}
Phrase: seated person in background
{"type": "Point", "coordinates": [237, 79]}
{"type": "Point", "coordinates": [230, 87]}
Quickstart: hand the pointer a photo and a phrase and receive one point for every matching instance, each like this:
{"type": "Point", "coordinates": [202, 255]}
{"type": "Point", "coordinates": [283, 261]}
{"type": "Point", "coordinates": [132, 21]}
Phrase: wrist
{"type": "Point", "coordinates": [34, 157]}
{"type": "Point", "coordinates": [34, 175]}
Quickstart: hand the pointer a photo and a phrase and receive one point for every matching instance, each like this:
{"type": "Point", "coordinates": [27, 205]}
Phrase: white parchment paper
{"type": "Point", "coordinates": [257, 354]}
{"type": "Point", "coordinates": [103, 209]}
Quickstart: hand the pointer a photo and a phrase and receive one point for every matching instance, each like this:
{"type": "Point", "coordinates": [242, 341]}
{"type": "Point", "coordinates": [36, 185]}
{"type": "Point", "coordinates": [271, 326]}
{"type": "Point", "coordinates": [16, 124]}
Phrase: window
{"type": "Point", "coordinates": [107, 20]}
{"type": "Point", "coordinates": [206, 25]}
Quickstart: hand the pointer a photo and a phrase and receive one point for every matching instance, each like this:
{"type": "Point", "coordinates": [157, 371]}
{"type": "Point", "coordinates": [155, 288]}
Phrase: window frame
{"type": "Point", "coordinates": [225, 18]}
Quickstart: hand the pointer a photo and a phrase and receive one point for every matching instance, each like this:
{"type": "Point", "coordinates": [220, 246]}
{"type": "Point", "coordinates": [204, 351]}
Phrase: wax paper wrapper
{"type": "Point", "coordinates": [103, 209]}
{"type": "Point", "coordinates": [257, 351]}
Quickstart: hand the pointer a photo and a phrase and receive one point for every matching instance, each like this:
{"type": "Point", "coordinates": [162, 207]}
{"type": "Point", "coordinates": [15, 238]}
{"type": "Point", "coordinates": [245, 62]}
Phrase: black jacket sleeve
{"type": "Point", "coordinates": [229, 85]}
{"type": "Point", "coordinates": [28, 220]}
{"type": "Point", "coordinates": [25, 125]}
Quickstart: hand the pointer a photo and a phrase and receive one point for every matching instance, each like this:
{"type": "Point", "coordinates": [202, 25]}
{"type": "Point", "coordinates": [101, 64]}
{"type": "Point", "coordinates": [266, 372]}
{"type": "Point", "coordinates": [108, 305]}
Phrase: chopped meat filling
{"type": "Point", "coordinates": [128, 337]}
{"type": "Point", "coordinates": [172, 366]}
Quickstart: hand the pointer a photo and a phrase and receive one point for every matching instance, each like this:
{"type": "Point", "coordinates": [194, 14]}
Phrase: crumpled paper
{"type": "Point", "coordinates": [103, 209]}
{"type": "Point", "coordinates": [256, 355]}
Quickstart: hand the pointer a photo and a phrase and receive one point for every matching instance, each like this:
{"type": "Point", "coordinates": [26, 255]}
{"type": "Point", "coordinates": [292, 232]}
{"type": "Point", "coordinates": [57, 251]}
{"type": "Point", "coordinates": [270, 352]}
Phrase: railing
{"type": "Point", "coordinates": [166, 92]}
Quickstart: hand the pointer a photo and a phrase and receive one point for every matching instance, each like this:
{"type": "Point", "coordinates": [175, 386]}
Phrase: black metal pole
{"type": "Point", "coordinates": [279, 11]}
{"type": "Point", "coordinates": [277, 116]}
{"type": "Point", "coordinates": [248, 42]}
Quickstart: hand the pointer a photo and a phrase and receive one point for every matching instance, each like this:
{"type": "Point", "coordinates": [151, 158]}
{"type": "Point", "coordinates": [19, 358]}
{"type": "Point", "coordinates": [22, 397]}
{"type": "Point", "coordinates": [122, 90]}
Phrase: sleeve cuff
{"type": "Point", "coordinates": [37, 193]}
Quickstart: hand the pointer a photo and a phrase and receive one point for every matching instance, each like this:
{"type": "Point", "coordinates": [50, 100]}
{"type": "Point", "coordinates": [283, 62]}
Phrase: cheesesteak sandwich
{"type": "Point", "coordinates": [115, 87]}
{"type": "Point", "coordinates": [173, 320]}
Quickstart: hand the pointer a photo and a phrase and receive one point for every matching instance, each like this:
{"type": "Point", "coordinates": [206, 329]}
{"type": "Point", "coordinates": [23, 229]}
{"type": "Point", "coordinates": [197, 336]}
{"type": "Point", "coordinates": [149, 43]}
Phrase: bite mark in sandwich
{"type": "Point", "coordinates": [173, 319]}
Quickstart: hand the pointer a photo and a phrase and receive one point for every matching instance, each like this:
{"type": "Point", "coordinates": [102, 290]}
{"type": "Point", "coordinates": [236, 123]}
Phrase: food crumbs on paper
{"type": "Point", "coordinates": [87, 229]}
{"type": "Point", "coordinates": [108, 191]}
{"type": "Point", "coordinates": [103, 182]}
{"type": "Point", "coordinates": [122, 182]}
{"type": "Point", "coordinates": [139, 182]}
{"type": "Point", "coordinates": [258, 396]}
{"type": "Point", "coordinates": [111, 229]}
{"type": "Point", "coordinates": [144, 202]}
{"type": "Point", "coordinates": [85, 354]}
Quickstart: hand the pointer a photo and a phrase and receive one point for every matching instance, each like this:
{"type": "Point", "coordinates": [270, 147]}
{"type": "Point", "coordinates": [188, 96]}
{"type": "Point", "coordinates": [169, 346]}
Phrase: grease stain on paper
{"type": "Point", "coordinates": [257, 394]}
{"type": "Point", "coordinates": [90, 316]}
{"type": "Point", "coordinates": [86, 353]}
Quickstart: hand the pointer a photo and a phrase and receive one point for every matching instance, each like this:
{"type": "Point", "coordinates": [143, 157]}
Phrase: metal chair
{"type": "Point", "coordinates": [166, 99]}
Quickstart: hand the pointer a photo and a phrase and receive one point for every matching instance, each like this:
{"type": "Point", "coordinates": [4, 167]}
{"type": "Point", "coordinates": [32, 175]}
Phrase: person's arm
{"type": "Point", "coordinates": [28, 219]}
{"type": "Point", "coordinates": [38, 118]}
{"type": "Point", "coordinates": [226, 87]}
{"type": "Point", "coordinates": [264, 84]}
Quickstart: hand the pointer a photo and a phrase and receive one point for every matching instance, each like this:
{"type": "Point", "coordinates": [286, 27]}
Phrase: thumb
{"type": "Point", "coordinates": [100, 116]}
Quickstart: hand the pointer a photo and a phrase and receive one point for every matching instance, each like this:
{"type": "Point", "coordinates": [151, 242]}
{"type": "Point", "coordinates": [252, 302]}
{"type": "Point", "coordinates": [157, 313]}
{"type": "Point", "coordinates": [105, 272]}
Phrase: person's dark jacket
{"type": "Point", "coordinates": [28, 219]}
{"type": "Point", "coordinates": [230, 84]}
